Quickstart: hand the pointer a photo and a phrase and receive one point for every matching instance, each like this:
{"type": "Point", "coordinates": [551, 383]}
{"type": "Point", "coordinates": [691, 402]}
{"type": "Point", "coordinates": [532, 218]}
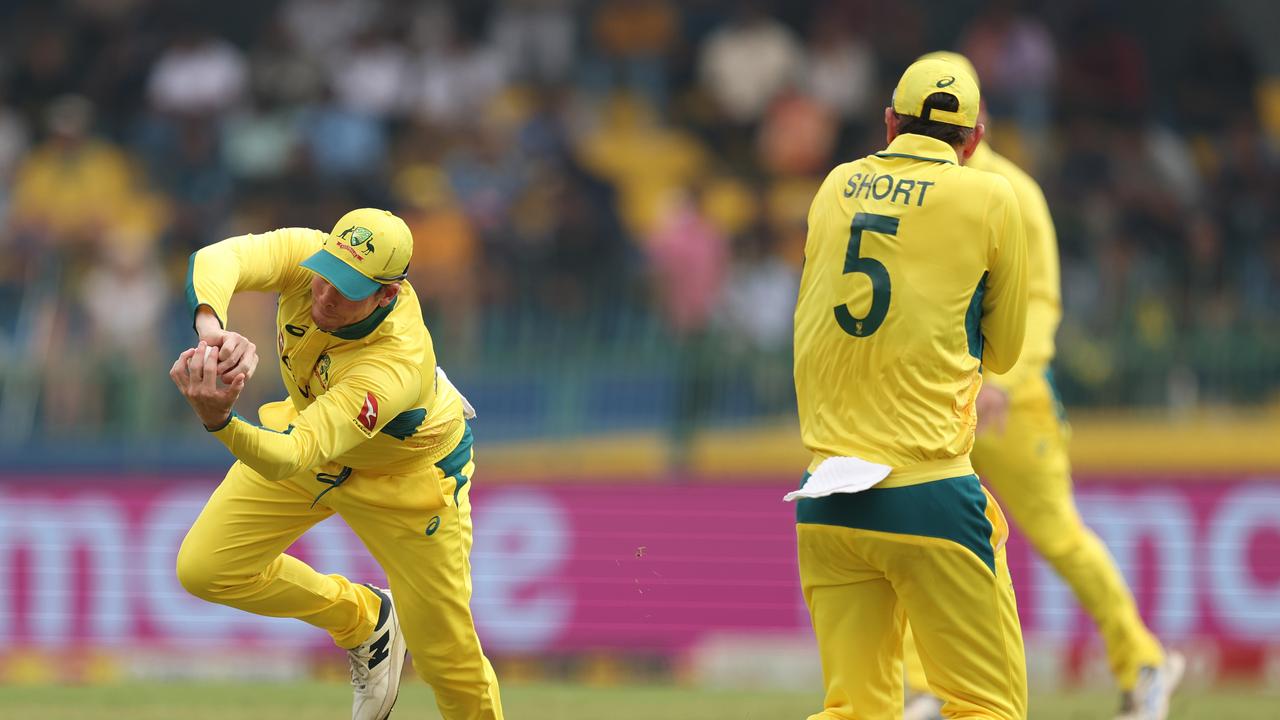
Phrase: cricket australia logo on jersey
{"type": "Point", "coordinates": [357, 237]}
{"type": "Point", "coordinates": [322, 370]}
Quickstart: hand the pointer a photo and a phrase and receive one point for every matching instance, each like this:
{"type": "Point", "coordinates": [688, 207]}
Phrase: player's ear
{"type": "Point", "coordinates": [890, 125]}
{"type": "Point", "coordinates": [966, 150]}
{"type": "Point", "coordinates": [389, 293]}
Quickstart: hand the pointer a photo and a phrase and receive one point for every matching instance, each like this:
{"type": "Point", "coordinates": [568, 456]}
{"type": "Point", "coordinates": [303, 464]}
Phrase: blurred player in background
{"type": "Point", "coordinates": [372, 430]}
{"type": "Point", "coordinates": [914, 278]}
{"type": "Point", "coordinates": [1021, 453]}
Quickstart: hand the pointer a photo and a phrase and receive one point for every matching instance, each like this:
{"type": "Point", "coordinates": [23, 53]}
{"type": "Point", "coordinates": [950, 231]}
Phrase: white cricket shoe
{"type": "Point", "coordinates": [376, 664]}
{"type": "Point", "coordinates": [1149, 699]}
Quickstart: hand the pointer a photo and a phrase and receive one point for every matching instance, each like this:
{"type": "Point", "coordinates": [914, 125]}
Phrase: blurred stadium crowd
{"type": "Point", "coordinates": [609, 198]}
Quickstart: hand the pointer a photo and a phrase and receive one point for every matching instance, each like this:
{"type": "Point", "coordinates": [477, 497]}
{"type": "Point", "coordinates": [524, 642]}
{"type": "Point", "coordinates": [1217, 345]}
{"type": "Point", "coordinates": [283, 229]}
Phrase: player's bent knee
{"type": "Point", "coordinates": [197, 575]}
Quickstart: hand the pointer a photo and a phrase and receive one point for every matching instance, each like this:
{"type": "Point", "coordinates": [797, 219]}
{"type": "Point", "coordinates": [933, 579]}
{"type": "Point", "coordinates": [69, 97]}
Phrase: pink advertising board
{"type": "Point", "coordinates": [640, 567]}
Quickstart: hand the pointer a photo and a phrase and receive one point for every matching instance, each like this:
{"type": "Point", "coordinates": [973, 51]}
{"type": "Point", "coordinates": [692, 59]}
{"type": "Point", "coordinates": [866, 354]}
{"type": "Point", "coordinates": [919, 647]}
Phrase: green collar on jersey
{"type": "Point", "coordinates": [920, 147]}
{"type": "Point", "coordinates": [358, 330]}
{"type": "Point", "coordinates": [914, 157]}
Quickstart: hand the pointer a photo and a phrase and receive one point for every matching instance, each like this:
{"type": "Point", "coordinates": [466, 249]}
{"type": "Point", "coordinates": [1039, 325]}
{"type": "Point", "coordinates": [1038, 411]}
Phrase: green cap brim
{"type": "Point", "coordinates": [347, 279]}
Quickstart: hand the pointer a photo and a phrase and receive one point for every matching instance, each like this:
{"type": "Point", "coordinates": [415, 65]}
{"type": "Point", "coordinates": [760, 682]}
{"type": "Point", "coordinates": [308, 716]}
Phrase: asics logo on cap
{"type": "Point", "coordinates": [944, 82]}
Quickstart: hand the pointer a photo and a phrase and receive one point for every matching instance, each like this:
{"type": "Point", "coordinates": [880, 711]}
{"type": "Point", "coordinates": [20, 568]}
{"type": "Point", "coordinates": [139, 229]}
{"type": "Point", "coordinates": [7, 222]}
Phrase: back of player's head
{"type": "Point", "coordinates": [947, 133]}
{"type": "Point", "coordinates": [938, 98]}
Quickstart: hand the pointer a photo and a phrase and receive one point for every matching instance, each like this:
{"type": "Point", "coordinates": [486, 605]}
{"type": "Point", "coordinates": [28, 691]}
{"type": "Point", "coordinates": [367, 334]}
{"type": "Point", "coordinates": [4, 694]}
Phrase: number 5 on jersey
{"type": "Point", "coordinates": [873, 269]}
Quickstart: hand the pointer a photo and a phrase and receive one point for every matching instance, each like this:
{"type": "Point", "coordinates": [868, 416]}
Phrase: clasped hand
{"type": "Point", "coordinates": [196, 373]}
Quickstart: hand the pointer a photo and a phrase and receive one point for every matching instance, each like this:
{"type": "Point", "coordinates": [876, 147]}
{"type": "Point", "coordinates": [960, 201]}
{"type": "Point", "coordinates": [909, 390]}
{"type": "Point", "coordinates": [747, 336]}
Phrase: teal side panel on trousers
{"type": "Point", "coordinates": [456, 461]}
{"type": "Point", "coordinates": [953, 509]}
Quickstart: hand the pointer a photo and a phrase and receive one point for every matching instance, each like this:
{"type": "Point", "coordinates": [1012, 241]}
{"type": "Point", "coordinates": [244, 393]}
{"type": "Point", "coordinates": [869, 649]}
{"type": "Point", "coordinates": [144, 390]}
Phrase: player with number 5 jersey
{"type": "Point", "coordinates": [914, 279]}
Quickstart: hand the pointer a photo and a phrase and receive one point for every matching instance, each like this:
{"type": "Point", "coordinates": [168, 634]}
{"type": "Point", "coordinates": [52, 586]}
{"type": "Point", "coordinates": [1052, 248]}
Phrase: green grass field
{"type": "Point", "coordinates": [330, 701]}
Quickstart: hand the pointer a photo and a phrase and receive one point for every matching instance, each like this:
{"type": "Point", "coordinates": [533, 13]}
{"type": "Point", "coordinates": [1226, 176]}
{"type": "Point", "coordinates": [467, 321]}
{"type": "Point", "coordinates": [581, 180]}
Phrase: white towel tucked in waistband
{"type": "Point", "coordinates": [840, 475]}
{"type": "Point", "coordinates": [468, 412]}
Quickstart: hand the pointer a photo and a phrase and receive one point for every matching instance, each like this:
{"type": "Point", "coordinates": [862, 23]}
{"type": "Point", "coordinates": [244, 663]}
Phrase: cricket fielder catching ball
{"type": "Point", "coordinates": [372, 430]}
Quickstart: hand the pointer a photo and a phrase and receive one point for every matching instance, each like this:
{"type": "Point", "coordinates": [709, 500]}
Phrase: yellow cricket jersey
{"type": "Point", "coordinates": [1044, 296]}
{"type": "Point", "coordinates": [366, 397]}
{"type": "Point", "coordinates": [914, 277]}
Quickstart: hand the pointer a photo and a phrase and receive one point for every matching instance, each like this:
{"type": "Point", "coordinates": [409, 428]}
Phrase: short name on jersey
{"type": "Point", "coordinates": [872, 186]}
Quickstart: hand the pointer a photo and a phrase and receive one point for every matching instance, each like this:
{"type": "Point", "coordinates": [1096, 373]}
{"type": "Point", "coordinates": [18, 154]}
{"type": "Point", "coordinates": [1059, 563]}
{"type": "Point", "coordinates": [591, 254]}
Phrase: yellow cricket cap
{"type": "Point", "coordinates": [957, 59]}
{"type": "Point", "coordinates": [931, 75]}
{"type": "Point", "coordinates": [367, 249]}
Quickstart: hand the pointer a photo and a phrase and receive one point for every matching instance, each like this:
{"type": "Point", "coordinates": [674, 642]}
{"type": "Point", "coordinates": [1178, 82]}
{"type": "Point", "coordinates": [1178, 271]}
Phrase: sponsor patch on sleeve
{"type": "Point", "coordinates": [368, 416]}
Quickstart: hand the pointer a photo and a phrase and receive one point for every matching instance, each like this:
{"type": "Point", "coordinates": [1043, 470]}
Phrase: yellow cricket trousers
{"type": "Point", "coordinates": [1028, 468]}
{"type": "Point", "coordinates": [933, 552]}
{"type": "Point", "coordinates": [234, 555]}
